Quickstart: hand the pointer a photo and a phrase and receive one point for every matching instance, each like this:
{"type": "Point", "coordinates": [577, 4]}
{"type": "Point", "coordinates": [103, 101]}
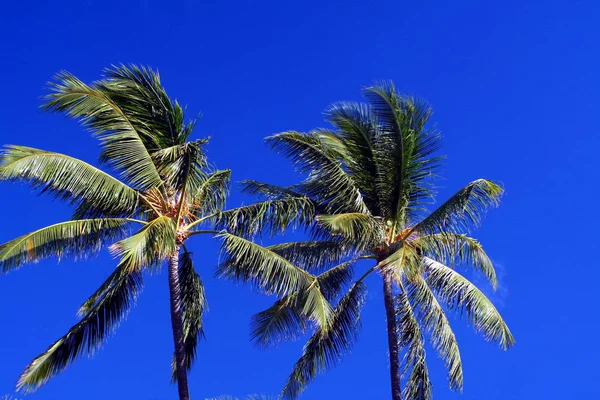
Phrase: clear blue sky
{"type": "Point", "coordinates": [514, 86]}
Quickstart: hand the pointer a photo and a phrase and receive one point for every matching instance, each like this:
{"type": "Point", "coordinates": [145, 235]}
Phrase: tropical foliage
{"type": "Point", "coordinates": [157, 191]}
{"type": "Point", "coordinates": [370, 182]}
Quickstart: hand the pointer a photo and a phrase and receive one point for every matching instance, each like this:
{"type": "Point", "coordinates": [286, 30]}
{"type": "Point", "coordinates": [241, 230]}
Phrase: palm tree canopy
{"type": "Point", "coordinates": [164, 192]}
{"type": "Point", "coordinates": [370, 180]}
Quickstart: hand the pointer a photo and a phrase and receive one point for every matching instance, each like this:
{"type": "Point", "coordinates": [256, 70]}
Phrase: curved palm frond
{"type": "Point", "coordinates": [360, 230]}
{"type": "Point", "coordinates": [464, 210]}
{"type": "Point", "coordinates": [94, 192]}
{"type": "Point", "coordinates": [452, 248]}
{"type": "Point", "coordinates": [312, 256]}
{"type": "Point", "coordinates": [210, 195]}
{"type": "Point", "coordinates": [281, 322]}
{"type": "Point", "coordinates": [429, 312]}
{"type": "Point", "coordinates": [86, 336]}
{"type": "Point", "coordinates": [458, 293]}
{"type": "Point", "coordinates": [120, 131]}
{"type": "Point", "coordinates": [249, 262]}
{"type": "Point", "coordinates": [324, 350]}
{"type": "Point", "coordinates": [194, 305]}
{"type": "Point", "coordinates": [183, 166]}
{"type": "Point", "coordinates": [78, 238]}
{"type": "Point", "coordinates": [149, 246]}
{"type": "Point", "coordinates": [274, 216]}
{"type": "Point", "coordinates": [329, 184]}
{"type": "Point", "coordinates": [418, 385]}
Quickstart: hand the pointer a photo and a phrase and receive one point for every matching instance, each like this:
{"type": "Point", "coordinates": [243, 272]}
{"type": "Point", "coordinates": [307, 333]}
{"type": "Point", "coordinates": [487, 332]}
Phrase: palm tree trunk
{"type": "Point", "coordinates": [390, 312]}
{"type": "Point", "coordinates": [177, 324]}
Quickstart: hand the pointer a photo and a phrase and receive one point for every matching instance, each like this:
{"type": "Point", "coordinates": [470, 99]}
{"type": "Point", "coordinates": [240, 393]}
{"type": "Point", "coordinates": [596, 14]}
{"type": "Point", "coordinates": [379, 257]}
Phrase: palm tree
{"type": "Point", "coordinates": [166, 192]}
{"type": "Point", "coordinates": [370, 181]}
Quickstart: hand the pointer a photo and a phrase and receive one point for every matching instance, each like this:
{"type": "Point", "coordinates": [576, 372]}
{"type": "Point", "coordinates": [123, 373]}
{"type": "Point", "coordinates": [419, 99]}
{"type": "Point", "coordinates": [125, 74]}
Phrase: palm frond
{"type": "Point", "coordinates": [410, 338]}
{"type": "Point", "coordinates": [274, 216]}
{"type": "Point", "coordinates": [210, 195]}
{"type": "Point", "coordinates": [95, 192]}
{"type": "Point", "coordinates": [312, 256]}
{"type": "Point", "coordinates": [361, 230]}
{"type": "Point", "coordinates": [329, 184]}
{"type": "Point", "coordinates": [148, 247]}
{"type": "Point", "coordinates": [193, 306]}
{"type": "Point", "coordinates": [452, 248]}
{"type": "Point", "coordinates": [86, 336]}
{"type": "Point", "coordinates": [458, 293]}
{"type": "Point", "coordinates": [430, 313]}
{"type": "Point", "coordinates": [78, 238]}
{"type": "Point", "coordinates": [249, 262]}
{"type": "Point", "coordinates": [183, 166]}
{"type": "Point", "coordinates": [332, 281]}
{"type": "Point", "coordinates": [281, 322]}
{"type": "Point", "coordinates": [120, 131]}
{"type": "Point", "coordinates": [464, 210]}
{"type": "Point", "coordinates": [324, 350]}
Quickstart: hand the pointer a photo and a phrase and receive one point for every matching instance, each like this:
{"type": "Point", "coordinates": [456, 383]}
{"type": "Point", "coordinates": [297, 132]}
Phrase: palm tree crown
{"type": "Point", "coordinates": [370, 181]}
{"type": "Point", "coordinates": [165, 193]}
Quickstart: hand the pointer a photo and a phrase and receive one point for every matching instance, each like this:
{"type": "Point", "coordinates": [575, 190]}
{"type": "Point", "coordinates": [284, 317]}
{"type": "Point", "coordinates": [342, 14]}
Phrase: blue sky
{"type": "Point", "coordinates": [514, 86]}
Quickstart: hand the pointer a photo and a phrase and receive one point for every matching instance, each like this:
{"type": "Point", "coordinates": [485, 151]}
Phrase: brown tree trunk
{"type": "Point", "coordinates": [177, 324]}
{"type": "Point", "coordinates": [390, 312]}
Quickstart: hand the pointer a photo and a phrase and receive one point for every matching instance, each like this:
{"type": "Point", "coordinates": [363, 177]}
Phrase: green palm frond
{"type": "Point", "coordinates": [182, 166]}
{"type": "Point", "coordinates": [406, 151]}
{"type": "Point", "coordinates": [274, 216]}
{"type": "Point", "coordinates": [281, 322]}
{"type": "Point", "coordinates": [328, 183]}
{"type": "Point", "coordinates": [95, 192]}
{"type": "Point", "coordinates": [452, 248]}
{"type": "Point", "coordinates": [332, 281]}
{"type": "Point", "coordinates": [430, 313]}
{"type": "Point", "coordinates": [458, 293]}
{"type": "Point", "coordinates": [120, 131]}
{"type": "Point", "coordinates": [139, 92]}
{"type": "Point", "coordinates": [324, 350]}
{"type": "Point", "coordinates": [249, 262]}
{"type": "Point", "coordinates": [193, 305]}
{"type": "Point", "coordinates": [86, 336]}
{"type": "Point", "coordinates": [313, 256]}
{"type": "Point", "coordinates": [464, 210]}
{"type": "Point", "coordinates": [78, 238]}
{"type": "Point", "coordinates": [210, 195]}
{"type": "Point", "coordinates": [271, 192]}
{"type": "Point", "coordinates": [404, 261]}
{"type": "Point", "coordinates": [149, 246]}
{"type": "Point", "coordinates": [410, 338]}
{"type": "Point", "coordinates": [361, 230]}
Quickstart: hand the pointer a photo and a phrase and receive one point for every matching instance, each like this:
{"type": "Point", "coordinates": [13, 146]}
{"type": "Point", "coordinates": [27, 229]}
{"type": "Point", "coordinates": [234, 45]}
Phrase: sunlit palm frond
{"type": "Point", "coordinates": [323, 351]}
{"type": "Point", "coordinates": [70, 179]}
{"type": "Point", "coordinates": [149, 246]}
{"type": "Point", "coordinates": [249, 262]}
{"type": "Point", "coordinates": [360, 230]}
{"type": "Point", "coordinates": [139, 92]}
{"type": "Point", "coordinates": [464, 210]}
{"type": "Point", "coordinates": [78, 238]}
{"type": "Point", "coordinates": [458, 293]}
{"type": "Point", "coordinates": [410, 338]}
{"type": "Point", "coordinates": [329, 184]}
{"type": "Point", "coordinates": [193, 303]}
{"type": "Point", "coordinates": [209, 197]}
{"type": "Point", "coordinates": [182, 166]}
{"type": "Point", "coordinates": [274, 216]}
{"type": "Point", "coordinates": [429, 312]}
{"type": "Point", "coordinates": [452, 248]}
{"type": "Point", "coordinates": [313, 256]}
{"type": "Point", "coordinates": [86, 336]}
{"type": "Point", "coordinates": [120, 132]}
